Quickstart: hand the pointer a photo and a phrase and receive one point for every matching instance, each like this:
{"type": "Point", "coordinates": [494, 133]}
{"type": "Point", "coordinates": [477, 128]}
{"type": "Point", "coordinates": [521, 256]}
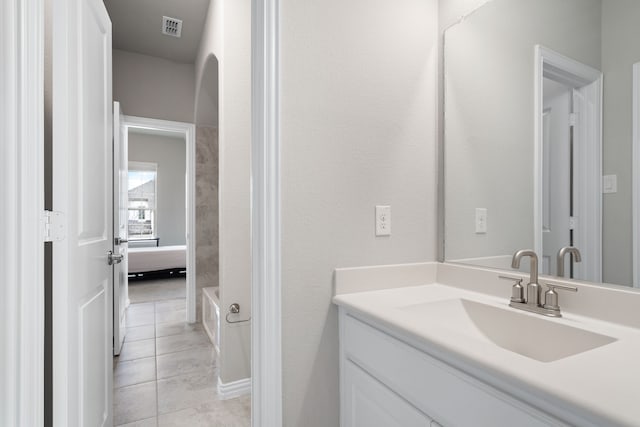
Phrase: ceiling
{"type": "Point", "coordinates": [137, 27]}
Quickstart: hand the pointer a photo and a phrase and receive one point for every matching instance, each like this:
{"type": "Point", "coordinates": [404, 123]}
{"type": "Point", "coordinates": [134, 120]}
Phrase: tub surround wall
{"type": "Point", "coordinates": [206, 212]}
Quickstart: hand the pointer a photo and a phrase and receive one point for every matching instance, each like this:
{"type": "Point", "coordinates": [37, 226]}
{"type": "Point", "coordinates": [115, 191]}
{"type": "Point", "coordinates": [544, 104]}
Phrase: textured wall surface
{"type": "Point", "coordinates": [358, 85]}
{"type": "Point", "coordinates": [206, 212]}
{"type": "Point", "coordinates": [147, 86]}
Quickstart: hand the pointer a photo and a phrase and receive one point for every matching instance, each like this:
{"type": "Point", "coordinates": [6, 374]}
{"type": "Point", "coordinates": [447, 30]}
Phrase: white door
{"type": "Point", "coordinates": [82, 190]}
{"type": "Point", "coordinates": [120, 217]}
{"type": "Point", "coordinates": [584, 190]}
{"type": "Point", "coordinates": [556, 173]}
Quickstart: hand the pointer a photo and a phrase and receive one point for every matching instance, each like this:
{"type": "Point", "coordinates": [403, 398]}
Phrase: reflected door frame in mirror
{"type": "Point", "coordinates": [588, 172]}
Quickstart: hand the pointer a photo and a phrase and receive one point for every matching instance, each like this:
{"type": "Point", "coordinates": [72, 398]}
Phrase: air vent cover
{"type": "Point", "coordinates": [171, 26]}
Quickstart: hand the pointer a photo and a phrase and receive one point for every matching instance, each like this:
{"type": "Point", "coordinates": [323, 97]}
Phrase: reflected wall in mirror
{"type": "Point", "coordinates": [539, 135]}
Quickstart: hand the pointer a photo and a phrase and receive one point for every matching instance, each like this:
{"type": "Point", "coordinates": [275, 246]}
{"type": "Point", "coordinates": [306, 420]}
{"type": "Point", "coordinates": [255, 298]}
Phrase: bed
{"type": "Point", "coordinates": [157, 261]}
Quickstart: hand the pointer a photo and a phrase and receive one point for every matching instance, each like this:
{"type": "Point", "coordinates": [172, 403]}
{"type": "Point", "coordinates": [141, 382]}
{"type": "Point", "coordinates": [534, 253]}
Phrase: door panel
{"type": "Point", "coordinates": [120, 218]}
{"type": "Point", "coordinates": [94, 398]}
{"type": "Point", "coordinates": [82, 190]}
{"type": "Point", "coordinates": [557, 196]}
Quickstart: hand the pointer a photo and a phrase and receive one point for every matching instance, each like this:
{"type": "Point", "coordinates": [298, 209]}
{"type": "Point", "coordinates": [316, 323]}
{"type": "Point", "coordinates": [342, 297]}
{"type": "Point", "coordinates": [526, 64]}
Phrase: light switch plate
{"type": "Point", "coordinates": [610, 184]}
{"type": "Point", "coordinates": [481, 220]}
{"type": "Point", "coordinates": [383, 220]}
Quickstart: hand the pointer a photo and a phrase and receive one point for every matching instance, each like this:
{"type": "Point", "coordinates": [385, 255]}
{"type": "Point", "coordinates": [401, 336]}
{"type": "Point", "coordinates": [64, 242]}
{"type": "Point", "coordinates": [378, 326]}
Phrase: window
{"type": "Point", "coordinates": [142, 200]}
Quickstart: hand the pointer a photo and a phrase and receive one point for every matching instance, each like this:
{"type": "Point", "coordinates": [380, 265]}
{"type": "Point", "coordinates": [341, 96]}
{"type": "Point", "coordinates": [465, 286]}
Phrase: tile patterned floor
{"type": "Point", "coordinates": [157, 290]}
{"type": "Point", "coordinates": [165, 375]}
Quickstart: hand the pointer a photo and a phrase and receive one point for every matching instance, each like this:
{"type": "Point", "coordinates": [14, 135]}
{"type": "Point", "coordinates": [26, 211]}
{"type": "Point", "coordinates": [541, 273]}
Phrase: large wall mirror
{"type": "Point", "coordinates": [541, 133]}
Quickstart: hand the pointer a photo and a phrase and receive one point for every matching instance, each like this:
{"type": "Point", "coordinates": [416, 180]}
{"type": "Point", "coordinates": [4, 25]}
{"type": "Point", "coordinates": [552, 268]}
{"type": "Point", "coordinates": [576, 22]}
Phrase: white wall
{"type": "Point", "coordinates": [489, 68]}
{"type": "Point", "coordinates": [358, 84]}
{"type": "Point", "coordinates": [452, 11]}
{"type": "Point", "coordinates": [227, 35]}
{"type": "Point", "coordinates": [170, 155]}
{"type": "Point", "coordinates": [152, 87]}
{"type": "Point", "coordinates": [620, 50]}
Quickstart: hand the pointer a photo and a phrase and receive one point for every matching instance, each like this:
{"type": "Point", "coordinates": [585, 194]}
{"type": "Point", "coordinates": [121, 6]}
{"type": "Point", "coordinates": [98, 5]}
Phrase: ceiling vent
{"type": "Point", "coordinates": [171, 26]}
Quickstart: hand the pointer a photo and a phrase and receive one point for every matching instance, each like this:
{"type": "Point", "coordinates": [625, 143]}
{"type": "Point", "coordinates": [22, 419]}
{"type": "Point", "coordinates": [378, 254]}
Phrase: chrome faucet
{"type": "Point", "coordinates": [533, 288]}
{"type": "Point", "coordinates": [533, 302]}
{"type": "Point", "coordinates": [560, 258]}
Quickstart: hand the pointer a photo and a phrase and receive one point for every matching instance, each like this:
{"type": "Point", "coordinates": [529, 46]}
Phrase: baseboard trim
{"type": "Point", "coordinates": [234, 388]}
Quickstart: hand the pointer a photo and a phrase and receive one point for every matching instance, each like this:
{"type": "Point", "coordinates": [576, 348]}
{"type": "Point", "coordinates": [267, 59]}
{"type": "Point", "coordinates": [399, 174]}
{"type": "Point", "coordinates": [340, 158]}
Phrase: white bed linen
{"type": "Point", "coordinates": [157, 258]}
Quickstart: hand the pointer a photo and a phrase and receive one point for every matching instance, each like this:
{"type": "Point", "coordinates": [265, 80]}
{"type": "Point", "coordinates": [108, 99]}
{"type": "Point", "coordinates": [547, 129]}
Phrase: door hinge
{"type": "Point", "coordinates": [573, 222]}
{"type": "Point", "coordinates": [53, 226]}
{"type": "Point", "coordinates": [573, 119]}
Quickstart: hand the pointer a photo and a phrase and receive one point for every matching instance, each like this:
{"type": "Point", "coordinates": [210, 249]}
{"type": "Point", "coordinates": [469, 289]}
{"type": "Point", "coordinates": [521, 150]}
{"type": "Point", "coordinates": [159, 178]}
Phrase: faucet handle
{"type": "Point", "coordinates": [551, 296]}
{"type": "Point", "coordinates": [517, 291]}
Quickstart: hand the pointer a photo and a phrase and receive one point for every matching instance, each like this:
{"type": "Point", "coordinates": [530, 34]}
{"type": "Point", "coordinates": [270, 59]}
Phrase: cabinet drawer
{"type": "Point", "coordinates": [446, 394]}
{"type": "Point", "coordinates": [370, 404]}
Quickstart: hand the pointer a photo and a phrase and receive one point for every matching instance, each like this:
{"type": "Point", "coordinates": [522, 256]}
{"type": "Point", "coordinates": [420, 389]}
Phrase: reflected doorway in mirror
{"type": "Point", "coordinates": [567, 181]}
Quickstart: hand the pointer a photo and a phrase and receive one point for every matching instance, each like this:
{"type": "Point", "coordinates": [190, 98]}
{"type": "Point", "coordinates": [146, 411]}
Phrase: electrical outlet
{"type": "Point", "coordinates": [481, 220]}
{"type": "Point", "coordinates": [383, 220]}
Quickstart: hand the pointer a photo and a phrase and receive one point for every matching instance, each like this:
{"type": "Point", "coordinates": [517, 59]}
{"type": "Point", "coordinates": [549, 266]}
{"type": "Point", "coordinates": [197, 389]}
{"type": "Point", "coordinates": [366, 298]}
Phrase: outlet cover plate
{"type": "Point", "coordinates": [383, 220]}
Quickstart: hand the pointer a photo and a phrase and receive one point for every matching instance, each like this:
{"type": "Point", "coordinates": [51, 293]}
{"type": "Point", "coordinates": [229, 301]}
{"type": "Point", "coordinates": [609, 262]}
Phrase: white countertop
{"type": "Point", "coordinates": [602, 384]}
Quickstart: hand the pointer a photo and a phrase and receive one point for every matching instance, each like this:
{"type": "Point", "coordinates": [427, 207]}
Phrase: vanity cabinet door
{"type": "Point", "coordinates": [433, 387]}
{"type": "Point", "coordinates": [368, 403]}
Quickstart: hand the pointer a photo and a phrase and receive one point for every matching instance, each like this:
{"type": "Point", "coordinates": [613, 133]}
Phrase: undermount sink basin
{"type": "Point", "coordinates": [534, 337]}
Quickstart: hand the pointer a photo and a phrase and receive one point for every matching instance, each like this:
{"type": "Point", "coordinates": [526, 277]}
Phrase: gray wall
{"type": "Point", "coordinates": [152, 87]}
{"type": "Point", "coordinates": [358, 85]}
{"type": "Point", "coordinates": [170, 155]}
{"type": "Point", "coordinates": [489, 67]}
{"type": "Point", "coordinates": [620, 50]}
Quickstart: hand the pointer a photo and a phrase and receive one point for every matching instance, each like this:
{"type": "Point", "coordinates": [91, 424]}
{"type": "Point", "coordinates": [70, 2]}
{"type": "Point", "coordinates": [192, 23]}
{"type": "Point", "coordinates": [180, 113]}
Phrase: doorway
{"type": "Point", "coordinates": [69, 398]}
{"type": "Point", "coordinates": [568, 165]}
{"type": "Point", "coordinates": [174, 231]}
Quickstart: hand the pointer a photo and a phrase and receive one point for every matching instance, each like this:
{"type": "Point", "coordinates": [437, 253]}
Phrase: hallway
{"type": "Point", "coordinates": [166, 372]}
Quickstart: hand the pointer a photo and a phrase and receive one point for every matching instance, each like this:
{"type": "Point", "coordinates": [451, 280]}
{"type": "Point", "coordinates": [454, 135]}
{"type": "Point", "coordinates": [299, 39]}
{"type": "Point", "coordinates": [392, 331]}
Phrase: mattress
{"type": "Point", "coordinates": [157, 258]}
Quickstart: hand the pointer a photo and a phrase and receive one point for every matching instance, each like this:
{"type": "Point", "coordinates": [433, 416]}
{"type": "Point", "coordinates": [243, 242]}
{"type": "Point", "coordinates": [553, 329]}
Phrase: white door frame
{"type": "Point", "coordinates": [636, 175]}
{"type": "Point", "coordinates": [560, 68]}
{"type": "Point", "coordinates": [22, 195]}
{"type": "Point", "coordinates": [22, 128]}
{"type": "Point", "coordinates": [188, 131]}
{"type": "Point", "coordinates": [266, 331]}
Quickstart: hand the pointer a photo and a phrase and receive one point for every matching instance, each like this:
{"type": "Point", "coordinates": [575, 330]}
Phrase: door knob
{"type": "Point", "coordinates": [114, 259]}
